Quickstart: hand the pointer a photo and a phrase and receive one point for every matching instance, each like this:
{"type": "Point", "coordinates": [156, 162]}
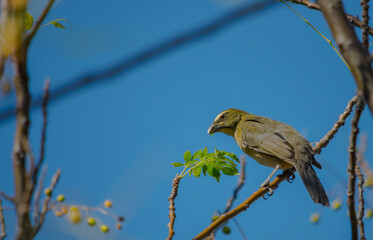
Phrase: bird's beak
{"type": "Point", "coordinates": [214, 127]}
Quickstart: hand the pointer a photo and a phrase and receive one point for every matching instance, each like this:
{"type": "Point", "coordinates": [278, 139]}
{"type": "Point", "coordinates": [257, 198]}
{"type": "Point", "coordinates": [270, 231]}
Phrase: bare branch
{"type": "Point", "coordinates": [171, 199]}
{"type": "Point", "coordinates": [38, 22]}
{"type": "Point", "coordinates": [360, 213]}
{"type": "Point", "coordinates": [241, 182]}
{"type": "Point", "coordinates": [341, 121]}
{"type": "Point", "coordinates": [274, 184]}
{"type": "Point", "coordinates": [2, 222]}
{"type": "Point", "coordinates": [352, 166]}
{"type": "Point", "coordinates": [357, 57]}
{"type": "Point", "coordinates": [363, 163]}
{"type": "Point", "coordinates": [353, 20]}
{"type": "Point", "coordinates": [44, 130]}
{"type": "Point", "coordinates": [6, 197]}
{"type": "Point", "coordinates": [364, 23]}
{"type": "Point", "coordinates": [39, 190]}
{"type": "Point", "coordinates": [47, 199]}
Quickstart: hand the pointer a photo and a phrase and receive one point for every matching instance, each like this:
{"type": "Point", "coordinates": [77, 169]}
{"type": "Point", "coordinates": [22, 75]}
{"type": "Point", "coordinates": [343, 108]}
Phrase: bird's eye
{"type": "Point", "coordinates": [222, 116]}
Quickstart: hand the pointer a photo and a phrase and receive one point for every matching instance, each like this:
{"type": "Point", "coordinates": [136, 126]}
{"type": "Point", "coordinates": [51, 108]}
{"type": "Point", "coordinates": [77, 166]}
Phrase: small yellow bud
{"type": "Point", "coordinates": [108, 203]}
{"type": "Point", "coordinates": [60, 198]}
{"type": "Point", "coordinates": [215, 217]}
{"type": "Point", "coordinates": [368, 182]}
{"type": "Point", "coordinates": [64, 210]}
{"type": "Point", "coordinates": [58, 213]}
{"type": "Point", "coordinates": [118, 226]}
{"type": "Point", "coordinates": [48, 192]}
{"type": "Point", "coordinates": [74, 215]}
{"type": "Point", "coordinates": [226, 230]}
{"type": "Point", "coordinates": [315, 217]}
{"type": "Point", "coordinates": [336, 204]}
{"type": "Point", "coordinates": [104, 228]}
{"type": "Point", "coordinates": [91, 221]}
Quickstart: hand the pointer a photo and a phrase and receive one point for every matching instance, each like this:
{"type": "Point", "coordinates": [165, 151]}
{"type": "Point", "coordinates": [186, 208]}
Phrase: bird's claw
{"type": "Point", "coordinates": [291, 178]}
{"type": "Point", "coordinates": [270, 189]}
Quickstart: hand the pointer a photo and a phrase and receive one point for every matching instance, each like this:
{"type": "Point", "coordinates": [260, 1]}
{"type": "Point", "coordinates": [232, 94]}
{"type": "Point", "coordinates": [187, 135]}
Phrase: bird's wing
{"type": "Point", "coordinates": [268, 141]}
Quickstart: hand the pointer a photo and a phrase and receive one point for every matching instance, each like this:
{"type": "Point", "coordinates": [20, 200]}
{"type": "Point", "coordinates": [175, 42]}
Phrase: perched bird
{"type": "Point", "coordinates": [273, 144]}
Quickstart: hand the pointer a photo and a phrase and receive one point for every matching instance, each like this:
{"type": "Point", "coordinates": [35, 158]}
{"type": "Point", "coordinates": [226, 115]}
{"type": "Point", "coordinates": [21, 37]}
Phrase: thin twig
{"type": "Point", "coordinates": [363, 163]}
{"type": "Point", "coordinates": [2, 221]}
{"type": "Point", "coordinates": [38, 195]}
{"type": "Point", "coordinates": [241, 182]}
{"type": "Point", "coordinates": [171, 199]}
{"type": "Point", "coordinates": [360, 212]}
{"type": "Point", "coordinates": [364, 23]}
{"type": "Point", "coordinates": [44, 130]}
{"type": "Point", "coordinates": [47, 199]}
{"type": "Point", "coordinates": [341, 121]}
{"type": "Point", "coordinates": [6, 197]}
{"type": "Point", "coordinates": [352, 166]}
{"type": "Point", "coordinates": [262, 191]}
{"type": "Point", "coordinates": [352, 19]}
{"type": "Point", "coordinates": [38, 22]}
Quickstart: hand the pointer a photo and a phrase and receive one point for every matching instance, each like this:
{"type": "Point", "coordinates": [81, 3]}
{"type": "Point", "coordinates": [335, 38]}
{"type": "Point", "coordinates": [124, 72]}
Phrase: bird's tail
{"type": "Point", "coordinates": [312, 183]}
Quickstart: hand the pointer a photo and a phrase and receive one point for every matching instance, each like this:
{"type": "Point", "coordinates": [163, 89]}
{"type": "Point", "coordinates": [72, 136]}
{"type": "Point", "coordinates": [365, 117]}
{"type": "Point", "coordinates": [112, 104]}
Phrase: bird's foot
{"type": "Point", "coordinates": [270, 190]}
{"type": "Point", "coordinates": [289, 172]}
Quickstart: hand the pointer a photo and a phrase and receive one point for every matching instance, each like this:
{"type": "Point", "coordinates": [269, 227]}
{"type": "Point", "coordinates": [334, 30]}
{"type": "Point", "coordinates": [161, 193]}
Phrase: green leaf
{"type": "Point", "coordinates": [213, 172]}
{"type": "Point", "coordinates": [203, 153]}
{"type": "Point", "coordinates": [187, 156]}
{"type": "Point", "coordinates": [57, 24]}
{"type": "Point", "coordinates": [197, 171]}
{"type": "Point", "coordinates": [233, 156]}
{"type": "Point", "coordinates": [204, 169]}
{"type": "Point", "coordinates": [196, 154]}
{"type": "Point", "coordinates": [191, 163]}
{"type": "Point", "coordinates": [29, 21]}
{"type": "Point", "coordinates": [177, 164]}
{"type": "Point", "coordinates": [229, 171]}
{"type": "Point", "coordinates": [217, 178]}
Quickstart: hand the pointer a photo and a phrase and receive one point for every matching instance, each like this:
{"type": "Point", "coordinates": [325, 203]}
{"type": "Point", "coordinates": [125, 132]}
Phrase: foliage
{"type": "Point", "coordinates": [213, 163]}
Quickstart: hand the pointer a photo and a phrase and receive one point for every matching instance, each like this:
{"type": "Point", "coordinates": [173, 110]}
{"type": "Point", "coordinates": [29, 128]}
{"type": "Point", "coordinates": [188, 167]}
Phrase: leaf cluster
{"type": "Point", "coordinates": [214, 164]}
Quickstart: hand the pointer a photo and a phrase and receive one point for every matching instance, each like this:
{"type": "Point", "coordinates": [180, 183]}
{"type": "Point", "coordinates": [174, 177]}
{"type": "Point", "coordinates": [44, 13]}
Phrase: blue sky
{"type": "Point", "coordinates": [117, 139]}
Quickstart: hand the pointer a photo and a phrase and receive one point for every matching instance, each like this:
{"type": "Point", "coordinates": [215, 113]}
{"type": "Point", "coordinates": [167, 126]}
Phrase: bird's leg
{"type": "Point", "coordinates": [265, 184]}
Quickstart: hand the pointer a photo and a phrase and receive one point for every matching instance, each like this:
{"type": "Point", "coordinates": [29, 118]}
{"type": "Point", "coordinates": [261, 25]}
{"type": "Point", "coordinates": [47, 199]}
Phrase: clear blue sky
{"type": "Point", "coordinates": [116, 140]}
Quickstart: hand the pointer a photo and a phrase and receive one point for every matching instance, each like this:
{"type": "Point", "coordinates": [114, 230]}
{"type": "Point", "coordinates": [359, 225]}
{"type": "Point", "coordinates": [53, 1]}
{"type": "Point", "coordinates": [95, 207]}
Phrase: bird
{"type": "Point", "coordinates": [272, 144]}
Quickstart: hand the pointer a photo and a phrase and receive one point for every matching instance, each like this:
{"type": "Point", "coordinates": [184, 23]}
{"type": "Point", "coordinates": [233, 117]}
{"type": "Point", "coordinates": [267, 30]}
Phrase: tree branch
{"type": "Point", "coordinates": [38, 22]}
{"type": "Point", "coordinates": [2, 222]}
{"type": "Point", "coordinates": [341, 121]}
{"type": "Point", "coordinates": [171, 199]}
{"type": "Point", "coordinates": [360, 213]}
{"type": "Point", "coordinates": [357, 57]}
{"type": "Point", "coordinates": [47, 199]}
{"type": "Point", "coordinates": [241, 182]}
{"type": "Point", "coordinates": [351, 168]}
{"type": "Point", "coordinates": [262, 191]}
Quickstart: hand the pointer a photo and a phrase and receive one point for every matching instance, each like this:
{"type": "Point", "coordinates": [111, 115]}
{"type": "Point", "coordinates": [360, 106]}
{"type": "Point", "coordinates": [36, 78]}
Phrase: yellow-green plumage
{"type": "Point", "coordinates": [273, 144]}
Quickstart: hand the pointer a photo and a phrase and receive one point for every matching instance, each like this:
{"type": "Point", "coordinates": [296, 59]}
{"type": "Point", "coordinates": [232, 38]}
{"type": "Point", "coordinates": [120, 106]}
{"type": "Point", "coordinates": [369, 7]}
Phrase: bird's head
{"type": "Point", "coordinates": [226, 122]}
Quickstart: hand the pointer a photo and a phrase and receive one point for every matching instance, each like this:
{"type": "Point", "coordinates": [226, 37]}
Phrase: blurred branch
{"type": "Point", "coordinates": [354, 53]}
{"type": "Point", "coordinates": [360, 213]}
{"type": "Point", "coordinates": [341, 121]}
{"type": "Point", "coordinates": [171, 199]}
{"type": "Point", "coordinates": [353, 20]}
{"type": "Point", "coordinates": [363, 163]}
{"type": "Point", "coordinates": [262, 191]}
{"type": "Point", "coordinates": [352, 166]}
{"type": "Point", "coordinates": [45, 208]}
{"type": "Point", "coordinates": [38, 22]}
{"type": "Point", "coordinates": [241, 182]}
{"type": "Point", "coordinates": [39, 190]}
{"type": "Point", "coordinates": [6, 197]}
{"type": "Point", "coordinates": [365, 23]}
{"type": "Point", "coordinates": [2, 222]}
{"type": "Point", "coordinates": [127, 64]}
